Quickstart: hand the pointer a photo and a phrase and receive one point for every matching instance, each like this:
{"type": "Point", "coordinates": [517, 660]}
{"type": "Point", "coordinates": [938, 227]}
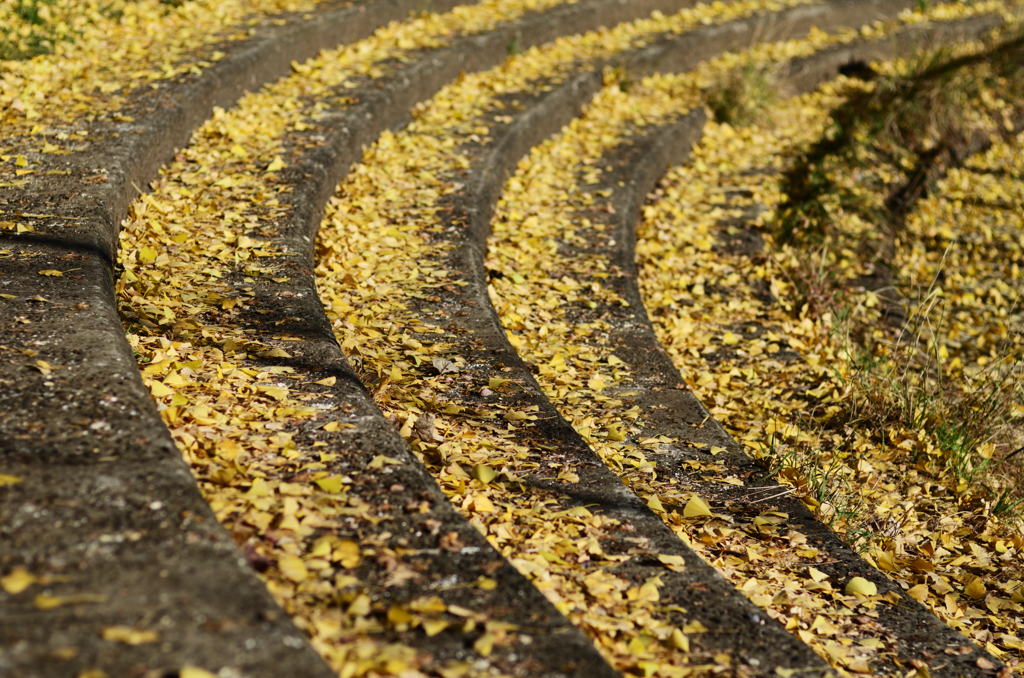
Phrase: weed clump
{"type": "Point", "coordinates": [30, 28]}
{"type": "Point", "coordinates": [910, 383]}
{"type": "Point", "coordinates": [930, 359]}
{"type": "Point", "coordinates": [742, 98]}
{"type": "Point", "coordinates": [900, 135]}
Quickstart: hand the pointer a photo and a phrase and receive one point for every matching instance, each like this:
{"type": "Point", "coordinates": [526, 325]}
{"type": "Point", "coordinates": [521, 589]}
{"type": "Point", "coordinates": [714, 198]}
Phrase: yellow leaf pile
{"type": "Point", "coordinates": [194, 250]}
{"type": "Point", "coordinates": [92, 50]}
{"type": "Point", "coordinates": [378, 257]}
{"type": "Point", "coordinates": [69, 31]}
{"type": "Point", "coordinates": [888, 487]}
{"type": "Point", "coordinates": [549, 276]}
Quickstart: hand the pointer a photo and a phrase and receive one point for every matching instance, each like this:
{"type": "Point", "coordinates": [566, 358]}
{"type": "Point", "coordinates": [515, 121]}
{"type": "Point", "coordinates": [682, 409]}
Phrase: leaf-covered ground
{"type": "Point", "coordinates": [154, 34]}
{"type": "Point", "coordinates": [95, 54]}
{"type": "Point", "coordinates": [385, 212]}
{"type": "Point", "coordinates": [774, 335]}
{"type": "Point", "coordinates": [533, 231]}
{"type": "Point", "coordinates": [794, 359]}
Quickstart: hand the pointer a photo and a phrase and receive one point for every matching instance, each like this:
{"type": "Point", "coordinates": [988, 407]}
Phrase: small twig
{"type": "Point", "coordinates": [774, 496]}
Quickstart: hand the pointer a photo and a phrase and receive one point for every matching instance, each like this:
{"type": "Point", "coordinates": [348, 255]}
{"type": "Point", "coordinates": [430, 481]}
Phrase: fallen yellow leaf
{"type": "Point", "coordinates": [696, 508]}
{"type": "Point", "coordinates": [331, 484]}
{"type": "Point", "coordinates": [695, 627]}
{"type": "Point", "coordinates": [919, 592]}
{"type": "Point", "coordinates": [46, 602]}
{"type": "Point", "coordinates": [195, 672]}
{"type": "Point", "coordinates": [129, 635]}
{"type": "Point", "coordinates": [17, 581]}
{"type": "Point", "coordinates": [860, 586]}
{"type": "Point", "coordinates": [292, 567]}
{"type": "Point", "coordinates": [975, 589]}
{"type": "Point", "coordinates": [484, 473]}
{"type": "Point", "coordinates": [679, 641]}
{"type": "Point", "coordinates": [432, 627]}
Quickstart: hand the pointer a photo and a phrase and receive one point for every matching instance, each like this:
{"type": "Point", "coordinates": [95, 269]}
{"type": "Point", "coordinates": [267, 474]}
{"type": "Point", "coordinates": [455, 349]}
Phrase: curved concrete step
{"type": "Point", "coordinates": [472, 354]}
{"type": "Point", "coordinates": [270, 309]}
{"type": "Point", "coordinates": [117, 436]}
{"type": "Point", "coordinates": [661, 399]}
{"type": "Point", "coordinates": [93, 483]}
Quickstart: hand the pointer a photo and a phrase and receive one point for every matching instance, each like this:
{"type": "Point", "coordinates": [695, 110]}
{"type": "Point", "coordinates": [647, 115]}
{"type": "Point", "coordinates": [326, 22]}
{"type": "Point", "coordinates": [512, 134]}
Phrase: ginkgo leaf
{"type": "Point", "coordinates": [975, 589]}
{"type": "Point", "coordinates": [919, 592]}
{"type": "Point", "coordinates": [860, 586]}
{"type": "Point", "coordinates": [381, 461]}
{"type": "Point", "coordinates": [46, 602]}
{"type": "Point", "coordinates": [195, 672]}
{"type": "Point", "coordinates": [159, 390]}
{"type": "Point", "coordinates": [484, 473]}
{"type": "Point", "coordinates": [444, 366]}
{"type": "Point", "coordinates": [432, 627]}
{"type": "Point", "coordinates": [679, 641]}
{"type": "Point", "coordinates": [292, 567]}
{"type": "Point", "coordinates": [347, 554]}
{"type": "Point", "coordinates": [484, 644]}
{"type": "Point", "coordinates": [481, 504]}
{"type": "Point", "coordinates": [695, 508]}
{"type": "Point", "coordinates": [331, 484]}
{"type": "Point", "coordinates": [816, 575]}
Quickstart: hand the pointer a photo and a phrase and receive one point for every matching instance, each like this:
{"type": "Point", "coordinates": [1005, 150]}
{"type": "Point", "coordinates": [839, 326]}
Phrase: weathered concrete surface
{"type": "Point", "coordinates": [706, 597]}
{"type": "Point", "coordinates": [104, 499]}
{"type": "Point", "coordinates": [670, 409]}
{"type": "Point", "coordinates": [104, 508]}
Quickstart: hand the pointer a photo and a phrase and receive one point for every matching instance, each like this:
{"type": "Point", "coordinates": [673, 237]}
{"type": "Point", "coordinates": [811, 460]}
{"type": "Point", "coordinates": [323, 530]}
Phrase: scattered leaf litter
{"type": "Point", "coordinates": [940, 547]}
{"type": "Point", "coordinates": [539, 289]}
{"type": "Point", "coordinates": [377, 259]}
{"type": "Point", "coordinates": [162, 311]}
